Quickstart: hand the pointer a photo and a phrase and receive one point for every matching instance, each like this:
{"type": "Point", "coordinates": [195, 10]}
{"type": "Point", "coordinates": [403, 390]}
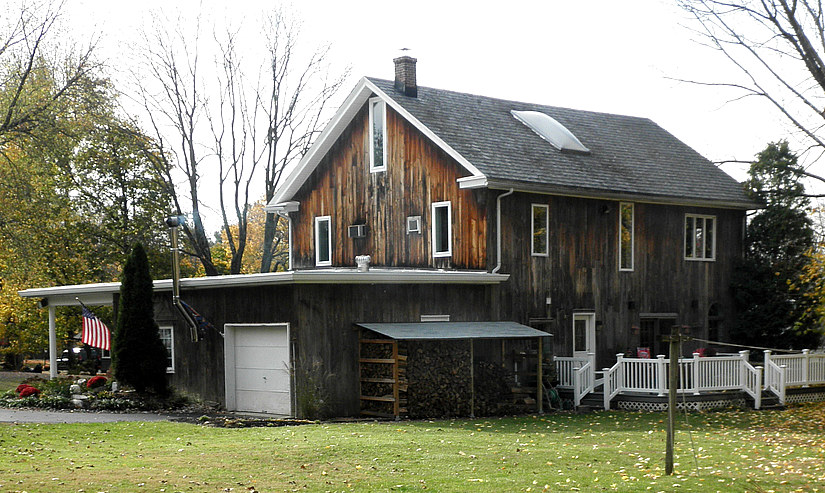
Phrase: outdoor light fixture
{"type": "Point", "coordinates": [175, 221]}
{"type": "Point", "coordinates": [635, 329]}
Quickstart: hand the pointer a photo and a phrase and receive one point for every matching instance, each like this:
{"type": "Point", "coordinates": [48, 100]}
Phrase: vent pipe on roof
{"type": "Point", "coordinates": [405, 76]}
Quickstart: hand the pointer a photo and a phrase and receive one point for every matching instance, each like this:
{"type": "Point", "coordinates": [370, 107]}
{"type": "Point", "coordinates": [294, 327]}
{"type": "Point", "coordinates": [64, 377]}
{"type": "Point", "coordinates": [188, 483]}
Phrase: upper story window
{"type": "Point", "coordinates": [442, 229]}
{"type": "Point", "coordinates": [323, 241]}
{"type": "Point", "coordinates": [626, 226]}
{"type": "Point", "coordinates": [378, 134]}
{"type": "Point", "coordinates": [167, 337]}
{"type": "Point", "coordinates": [539, 230]}
{"type": "Point", "coordinates": [700, 237]}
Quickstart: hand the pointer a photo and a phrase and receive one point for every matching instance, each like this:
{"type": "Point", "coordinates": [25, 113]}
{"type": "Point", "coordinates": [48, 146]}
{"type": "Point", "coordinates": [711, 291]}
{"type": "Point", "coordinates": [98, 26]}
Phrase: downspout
{"type": "Point", "coordinates": [498, 229]}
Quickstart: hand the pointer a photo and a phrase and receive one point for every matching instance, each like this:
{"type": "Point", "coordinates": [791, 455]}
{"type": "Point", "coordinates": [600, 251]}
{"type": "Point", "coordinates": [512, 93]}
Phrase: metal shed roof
{"type": "Point", "coordinates": [454, 330]}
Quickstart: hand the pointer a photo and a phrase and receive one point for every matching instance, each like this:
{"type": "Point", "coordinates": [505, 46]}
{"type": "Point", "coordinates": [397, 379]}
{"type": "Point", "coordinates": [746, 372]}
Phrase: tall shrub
{"type": "Point", "coordinates": [138, 354]}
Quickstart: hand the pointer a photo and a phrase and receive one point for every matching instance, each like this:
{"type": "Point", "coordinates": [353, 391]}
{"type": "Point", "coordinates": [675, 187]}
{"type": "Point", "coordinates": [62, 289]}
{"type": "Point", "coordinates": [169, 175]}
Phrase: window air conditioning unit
{"type": "Point", "coordinates": [413, 224]}
{"type": "Point", "coordinates": [358, 231]}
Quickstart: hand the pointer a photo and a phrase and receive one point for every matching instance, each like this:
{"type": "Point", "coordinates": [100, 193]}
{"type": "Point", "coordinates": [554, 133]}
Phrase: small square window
{"type": "Point", "coordinates": [414, 224]}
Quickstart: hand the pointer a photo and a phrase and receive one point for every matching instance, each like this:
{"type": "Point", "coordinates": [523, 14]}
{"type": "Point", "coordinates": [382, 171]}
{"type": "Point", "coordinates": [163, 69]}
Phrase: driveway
{"type": "Point", "coordinates": [43, 416]}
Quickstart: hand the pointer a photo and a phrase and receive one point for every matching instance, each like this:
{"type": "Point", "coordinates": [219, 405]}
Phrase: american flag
{"type": "Point", "coordinates": [95, 332]}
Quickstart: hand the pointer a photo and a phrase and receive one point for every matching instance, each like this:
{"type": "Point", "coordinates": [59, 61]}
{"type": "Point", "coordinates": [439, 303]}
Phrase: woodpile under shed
{"type": "Point", "coordinates": [445, 378]}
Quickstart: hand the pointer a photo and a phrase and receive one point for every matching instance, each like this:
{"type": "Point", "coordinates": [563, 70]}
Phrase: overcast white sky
{"type": "Point", "coordinates": [598, 55]}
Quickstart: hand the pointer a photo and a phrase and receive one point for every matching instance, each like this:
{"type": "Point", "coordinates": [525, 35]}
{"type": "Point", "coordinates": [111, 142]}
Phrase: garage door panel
{"type": "Point", "coordinates": [262, 380]}
{"type": "Point", "coordinates": [261, 336]}
{"type": "Point", "coordinates": [261, 357]}
{"type": "Point", "coordinates": [263, 402]}
{"type": "Point", "coordinates": [258, 380]}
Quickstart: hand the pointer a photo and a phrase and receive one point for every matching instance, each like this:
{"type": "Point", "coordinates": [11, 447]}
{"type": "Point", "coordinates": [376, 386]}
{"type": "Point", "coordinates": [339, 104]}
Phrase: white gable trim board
{"type": "Point", "coordinates": [258, 368]}
{"type": "Point", "coordinates": [356, 99]}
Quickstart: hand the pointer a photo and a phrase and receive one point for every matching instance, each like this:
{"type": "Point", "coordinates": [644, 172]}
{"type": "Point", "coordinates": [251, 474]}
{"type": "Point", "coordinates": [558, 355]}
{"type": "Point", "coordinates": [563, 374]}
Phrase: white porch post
{"type": "Point", "coordinates": [806, 360]}
{"type": "Point", "coordinates": [52, 344]}
{"type": "Point", "coordinates": [696, 373]}
{"type": "Point", "coordinates": [661, 371]}
{"type": "Point", "coordinates": [767, 382]}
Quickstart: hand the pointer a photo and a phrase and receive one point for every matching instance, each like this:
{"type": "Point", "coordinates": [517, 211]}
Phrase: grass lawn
{"type": "Point", "coordinates": [729, 451]}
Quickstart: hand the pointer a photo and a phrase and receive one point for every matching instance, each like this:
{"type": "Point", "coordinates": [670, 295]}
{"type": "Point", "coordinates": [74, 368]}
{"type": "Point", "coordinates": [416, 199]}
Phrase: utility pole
{"type": "Point", "coordinates": [673, 384]}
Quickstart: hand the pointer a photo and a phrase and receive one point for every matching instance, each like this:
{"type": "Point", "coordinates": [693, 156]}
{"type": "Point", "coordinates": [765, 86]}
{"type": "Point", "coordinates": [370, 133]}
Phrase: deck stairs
{"type": "Point", "coordinates": [770, 401]}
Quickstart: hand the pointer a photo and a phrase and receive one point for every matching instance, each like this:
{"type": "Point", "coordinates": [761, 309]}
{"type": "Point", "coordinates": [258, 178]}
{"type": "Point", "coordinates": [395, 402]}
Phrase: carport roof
{"type": "Point", "coordinates": [102, 293]}
{"type": "Point", "coordinates": [454, 330]}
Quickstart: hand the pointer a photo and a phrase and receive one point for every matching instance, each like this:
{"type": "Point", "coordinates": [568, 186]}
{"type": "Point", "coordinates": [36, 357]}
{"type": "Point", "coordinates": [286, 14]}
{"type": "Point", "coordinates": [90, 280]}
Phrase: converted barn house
{"type": "Point", "coordinates": [421, 216]}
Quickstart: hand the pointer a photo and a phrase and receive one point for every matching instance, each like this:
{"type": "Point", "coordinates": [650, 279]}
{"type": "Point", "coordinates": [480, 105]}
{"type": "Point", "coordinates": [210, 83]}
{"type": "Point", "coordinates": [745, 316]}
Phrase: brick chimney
{"type": "Point", "coordinates": [405, 76]}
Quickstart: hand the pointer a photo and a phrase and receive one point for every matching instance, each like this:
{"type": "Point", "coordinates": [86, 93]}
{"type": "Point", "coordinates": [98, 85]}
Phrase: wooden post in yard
{"type": "Point", "coordinates": [472, 383]}
{"type": "Point", "coordinates": [673, 377]}
{"type": "Point", "coordinates": [539, 378]}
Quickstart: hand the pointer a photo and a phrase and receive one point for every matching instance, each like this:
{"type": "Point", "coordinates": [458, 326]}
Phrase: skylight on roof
{"type": "Point", "coordinates": [551, 130]}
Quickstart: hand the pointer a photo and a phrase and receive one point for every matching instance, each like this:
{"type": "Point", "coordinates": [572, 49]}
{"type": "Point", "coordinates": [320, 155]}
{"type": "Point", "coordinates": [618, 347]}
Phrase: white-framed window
{"type": "Point", "coordinates": [442, 228]}
{"type": "Point", "coordinates": [378, 135]}
{"type": "Point", "coordinates": [413, 224]}
{"type": "Point", "coordinates": [435, 318]}
{"type": "Point", "coordinates": [167, 337]}
{"type": "Point", "coordinates": [539, 234]}
{"type": "Point", "coordinates": [700, 237]}
{"type": "Point", "coordinates": [627, 224]}
{"type": "Point", "coordinates": [323, 241]}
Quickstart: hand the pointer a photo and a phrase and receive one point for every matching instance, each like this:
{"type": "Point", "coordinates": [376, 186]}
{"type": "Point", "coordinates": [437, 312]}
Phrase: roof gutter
{"type": "Point", "coordinates": [498, 230]}
{"type": "Point", "coordinates": [582, 193]}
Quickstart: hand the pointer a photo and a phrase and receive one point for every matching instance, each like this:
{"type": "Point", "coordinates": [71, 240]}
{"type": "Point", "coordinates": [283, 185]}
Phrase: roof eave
{"type": "Point", "coordinates": [531, 187]}
{"type": "Point", "coordinates": [103, 293]}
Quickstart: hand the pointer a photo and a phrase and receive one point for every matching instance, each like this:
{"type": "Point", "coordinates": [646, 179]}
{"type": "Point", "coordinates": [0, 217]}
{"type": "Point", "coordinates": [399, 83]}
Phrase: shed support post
{"type": "Point", "coordinates": [52, 344]}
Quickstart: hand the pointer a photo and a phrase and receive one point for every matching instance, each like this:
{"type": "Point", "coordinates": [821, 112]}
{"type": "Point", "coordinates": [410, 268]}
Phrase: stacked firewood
{"type": "Point", "coordinates": [493, 389]}
{"type": "Point", "coordinates": [439, 379]}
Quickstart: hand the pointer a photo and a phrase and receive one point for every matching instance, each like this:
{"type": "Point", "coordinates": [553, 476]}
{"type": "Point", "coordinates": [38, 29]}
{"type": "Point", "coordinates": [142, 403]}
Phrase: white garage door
{"type": "Point", "coordinates": [257, 368]}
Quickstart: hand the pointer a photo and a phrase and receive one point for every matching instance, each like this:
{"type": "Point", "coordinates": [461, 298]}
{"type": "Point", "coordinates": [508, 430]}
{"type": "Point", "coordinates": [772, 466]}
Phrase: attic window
{"type": "Point", "coordinates": [551, 130]}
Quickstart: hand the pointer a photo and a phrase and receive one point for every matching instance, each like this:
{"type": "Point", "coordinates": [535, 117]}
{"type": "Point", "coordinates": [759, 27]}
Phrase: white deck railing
{"type": "Point", "coordinates": [650, 376]}
{"type": "Point", "coordinates": [583, 382]}
{"type": "Point", "coordinates": [801, 370]}
{"type": "Point", "coordinates": [696, 375]}
{"type": "Point", "coordinates": [565, 366]}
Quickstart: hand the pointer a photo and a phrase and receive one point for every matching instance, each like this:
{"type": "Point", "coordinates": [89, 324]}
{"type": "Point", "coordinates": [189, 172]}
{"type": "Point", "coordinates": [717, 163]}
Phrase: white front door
{"type": "Point", "coordinates": [584, 335]}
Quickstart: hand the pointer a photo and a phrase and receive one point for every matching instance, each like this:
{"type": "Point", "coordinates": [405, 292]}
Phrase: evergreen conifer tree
{"type": "Point", "coordinates": [777, 240]}
{"type": "Point", "coordinates": [138, 355]}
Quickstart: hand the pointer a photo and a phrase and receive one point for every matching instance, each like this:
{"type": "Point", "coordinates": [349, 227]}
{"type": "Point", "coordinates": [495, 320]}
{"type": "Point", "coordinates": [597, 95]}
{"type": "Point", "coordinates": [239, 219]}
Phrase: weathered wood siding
{"type": "Point", "coordinates": [418, 174]}
{"type": "Point", "coordinates": [321, 319]}
{"type": "Point", "coordinates": [581, 271]}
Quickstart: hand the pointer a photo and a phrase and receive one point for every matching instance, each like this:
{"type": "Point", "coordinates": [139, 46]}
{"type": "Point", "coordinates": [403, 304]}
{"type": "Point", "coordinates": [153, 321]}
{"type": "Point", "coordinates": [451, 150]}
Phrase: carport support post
{"type": "Point", "coordinates": [52, 344]}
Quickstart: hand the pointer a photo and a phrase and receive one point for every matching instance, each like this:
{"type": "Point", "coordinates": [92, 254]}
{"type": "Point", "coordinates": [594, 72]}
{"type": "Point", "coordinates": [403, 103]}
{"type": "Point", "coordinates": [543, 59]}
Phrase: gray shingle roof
{"type": "Point", "coordinates": [629, 155]}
